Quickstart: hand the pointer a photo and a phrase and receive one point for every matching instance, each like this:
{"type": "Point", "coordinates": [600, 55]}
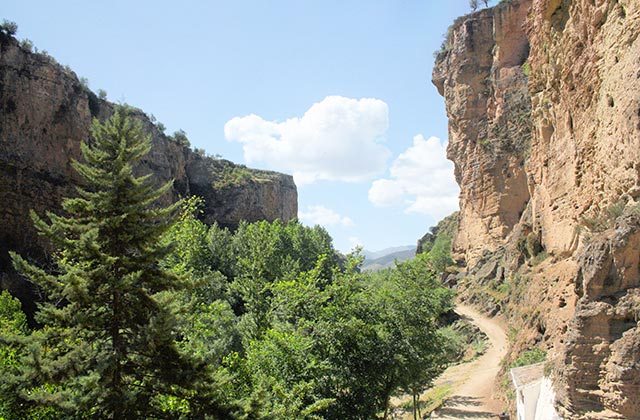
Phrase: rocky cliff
{"type": "Point", "coordinates": [45, 112]}
{"type": "Point", "coordinates": [543, 99]}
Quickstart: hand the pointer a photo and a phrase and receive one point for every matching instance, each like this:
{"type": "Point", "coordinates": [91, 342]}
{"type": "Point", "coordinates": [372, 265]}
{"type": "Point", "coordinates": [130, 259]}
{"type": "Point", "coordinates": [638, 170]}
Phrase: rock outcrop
{"type": "Point", "coordinates": [45, 112]}
{"type": "Point", "coordinates": [480, 75]}
{"type": "Point", "coordinates": [543, 99]}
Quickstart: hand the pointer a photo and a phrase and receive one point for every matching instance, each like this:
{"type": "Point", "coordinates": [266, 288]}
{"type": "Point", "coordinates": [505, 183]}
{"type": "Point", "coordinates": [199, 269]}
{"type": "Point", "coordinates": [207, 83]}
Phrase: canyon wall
{"type": "Point", "coordinates": [543, 99]}
{"type": "Point", "coordinates": [45, 113]}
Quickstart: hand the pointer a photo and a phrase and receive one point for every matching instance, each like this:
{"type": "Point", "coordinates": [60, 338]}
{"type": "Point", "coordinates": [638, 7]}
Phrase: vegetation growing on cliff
{"type": "Point", "coordinates": [438, 241]}
{"type": "Point", "coordinates": [8, 27]}
{"type": "Point", "coordinates": [145, 318]}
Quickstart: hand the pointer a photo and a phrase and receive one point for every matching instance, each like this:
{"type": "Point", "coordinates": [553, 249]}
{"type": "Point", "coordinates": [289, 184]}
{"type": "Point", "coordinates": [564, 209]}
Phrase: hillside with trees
{"type": "Point", "coordinates": [150, 313]}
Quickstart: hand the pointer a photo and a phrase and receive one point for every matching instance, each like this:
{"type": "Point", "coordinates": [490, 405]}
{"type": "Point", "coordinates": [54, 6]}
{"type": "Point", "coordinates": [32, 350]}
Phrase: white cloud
{"type": "Point", "coordinates": [320, 215]}
{"type": "Point", "coordinates": [421, 178]}
{"type": "Point", "coordinates": [337, 139]}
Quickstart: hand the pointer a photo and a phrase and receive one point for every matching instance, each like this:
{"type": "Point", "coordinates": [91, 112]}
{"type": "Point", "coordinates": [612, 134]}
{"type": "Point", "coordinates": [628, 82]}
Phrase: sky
{"type": "Point", "coordinates": [335, 92]}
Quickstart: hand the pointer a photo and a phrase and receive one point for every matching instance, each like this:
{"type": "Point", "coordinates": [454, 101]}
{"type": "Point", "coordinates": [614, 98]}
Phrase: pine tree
{"type": "Point", "coordinates": [108, 347]}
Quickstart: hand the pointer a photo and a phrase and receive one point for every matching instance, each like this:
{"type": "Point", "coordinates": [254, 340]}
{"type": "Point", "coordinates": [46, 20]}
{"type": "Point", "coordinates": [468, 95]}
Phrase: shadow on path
{"type": "Point", "coordinates": [462, 407]}
{"type": "Point", "coordinates": [454, 413]}
{"type": "Point", "coordinates": [463, 400]}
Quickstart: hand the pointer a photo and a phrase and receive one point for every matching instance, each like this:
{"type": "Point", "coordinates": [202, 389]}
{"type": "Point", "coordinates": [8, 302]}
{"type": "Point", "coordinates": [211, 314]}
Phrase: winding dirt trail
{"type": "Point", "coordinates": [474, 383]}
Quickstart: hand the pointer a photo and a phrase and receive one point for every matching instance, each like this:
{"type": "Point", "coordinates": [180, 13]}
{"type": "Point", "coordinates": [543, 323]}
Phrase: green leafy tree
{"type": "Point", "coordinates": [418, 301]}
{"type": "Point", "coordinates": [285, 368]}
{"type": "Point", "coordinates": [108, 343]}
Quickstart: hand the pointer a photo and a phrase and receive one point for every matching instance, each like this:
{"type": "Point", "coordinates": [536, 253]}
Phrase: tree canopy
{"type": "Point", "coordinates": [153, 314]}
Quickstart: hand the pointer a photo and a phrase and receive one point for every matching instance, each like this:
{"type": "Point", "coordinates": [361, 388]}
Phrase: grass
{"type": "Point", "coordinates": [435, 398]}
{"type": "Point", "coordinates": [479, 347]}
{"type": "Point", "coordinates": [430, 401]}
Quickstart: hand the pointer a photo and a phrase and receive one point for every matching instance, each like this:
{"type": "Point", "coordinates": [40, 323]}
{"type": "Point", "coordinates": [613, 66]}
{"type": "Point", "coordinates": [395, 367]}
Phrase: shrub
{"type": "Point", "coordinates": [102, 94]}
{"type": "Point", "coordinates": [605, 219]}
{"type": "Point", "coordinates": [532, 244]}
{"type": "Point", "coordinates": [529, 357]}
{"type": "Point", "coordinates": [180, 137]}
{"type": "Point", "coordinates": [84, 82]}
{"type": "Point", "coordinates": [26, 44]}
{"type": "Point", "coordinates": [8, 27]}
{"type": "Point", "coordinates": [233, 176]}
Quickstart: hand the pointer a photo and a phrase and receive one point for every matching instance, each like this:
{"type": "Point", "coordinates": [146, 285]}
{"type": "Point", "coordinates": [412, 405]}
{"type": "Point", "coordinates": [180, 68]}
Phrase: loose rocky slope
{"type": "Point", "coordinates": [45, 112]}
{"type": "Point", "coordinates": [543, 99]}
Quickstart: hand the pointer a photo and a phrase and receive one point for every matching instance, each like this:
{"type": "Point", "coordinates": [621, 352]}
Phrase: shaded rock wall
{"type": "Point", "coordinates": [45, 113]}
{"type": "Point", "coordinates": [543, 98]}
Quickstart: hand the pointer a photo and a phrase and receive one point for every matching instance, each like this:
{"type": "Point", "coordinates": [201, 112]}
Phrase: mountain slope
{"type": "Point", "coordinates": [386, 258]}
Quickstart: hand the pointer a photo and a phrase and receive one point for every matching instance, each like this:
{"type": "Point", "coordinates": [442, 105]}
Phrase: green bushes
{"type": "Point", "coordinates": [438, 241]}
{"type": "Point", "coordinates": [180, 137]}
{"type": "Point", "coordinates": [13, 330]}
{"type": "Point", "coordinates": [232, 176]}
{"type": "Point", "coordinates": [26, 44]}
{"type": "Point", "coordinates": [529, 357]}
{"type": "Point", "coordinates": [283, 327]}
{"type": "Point", "coordinates": [314, 337]}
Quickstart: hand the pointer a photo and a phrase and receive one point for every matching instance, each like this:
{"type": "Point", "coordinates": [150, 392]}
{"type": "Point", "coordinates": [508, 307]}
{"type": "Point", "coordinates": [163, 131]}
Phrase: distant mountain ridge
{"type": "Point", "coordinates": [378, 260]}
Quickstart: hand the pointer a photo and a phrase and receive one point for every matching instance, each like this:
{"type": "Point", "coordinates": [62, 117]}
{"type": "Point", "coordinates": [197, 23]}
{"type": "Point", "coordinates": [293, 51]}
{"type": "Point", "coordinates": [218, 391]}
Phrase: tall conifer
{"type": "Point", "coordinates": [107, 348]}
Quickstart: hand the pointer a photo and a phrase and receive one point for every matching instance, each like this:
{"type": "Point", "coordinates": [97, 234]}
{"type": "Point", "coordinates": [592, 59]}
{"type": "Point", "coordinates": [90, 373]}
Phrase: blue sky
{"type": "Point", "coordinates": [337, 91]}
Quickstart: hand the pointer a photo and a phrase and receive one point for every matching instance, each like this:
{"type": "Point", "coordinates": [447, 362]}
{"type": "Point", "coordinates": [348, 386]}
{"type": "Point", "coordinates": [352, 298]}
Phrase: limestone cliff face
{"type": "Point", "coordinates": [543, 98]}
{"type": "Point", "coordinates": [45, 113]}
{"type": "Point", "coordinates": [480, 75]}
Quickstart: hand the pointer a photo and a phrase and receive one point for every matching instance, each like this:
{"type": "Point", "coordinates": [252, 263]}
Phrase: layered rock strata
{"type": "Point", "coordinates": [543, 99]}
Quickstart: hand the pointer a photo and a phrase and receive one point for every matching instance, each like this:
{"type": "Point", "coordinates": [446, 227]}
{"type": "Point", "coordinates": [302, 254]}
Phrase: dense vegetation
{"type": "Point", "coordinates": [437, 242]}
{"type": "Point", "coordinates": [156, 315]}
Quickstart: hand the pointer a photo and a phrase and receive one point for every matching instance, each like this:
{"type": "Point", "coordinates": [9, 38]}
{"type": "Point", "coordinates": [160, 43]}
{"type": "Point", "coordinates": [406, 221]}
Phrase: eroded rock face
{"type": "Point", "coordinates": [481, 77]}
{"type": "Point", "coordinates": [45, 113]}
{"type": "Point", "coordinates": [557, 201]}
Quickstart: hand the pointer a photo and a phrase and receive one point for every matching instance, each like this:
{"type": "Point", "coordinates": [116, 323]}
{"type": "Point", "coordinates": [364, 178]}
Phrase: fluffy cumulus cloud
{"type": "Point", "coordinates": [320, 215]}
{"type": "Point", "coordinates": [337, 139]}
{"type": "Point", "coordinates": [421, 178]}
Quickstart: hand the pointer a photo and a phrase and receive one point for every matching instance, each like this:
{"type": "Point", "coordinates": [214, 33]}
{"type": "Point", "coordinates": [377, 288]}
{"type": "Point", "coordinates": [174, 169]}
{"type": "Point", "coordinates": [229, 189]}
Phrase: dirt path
{"type": "Point", "coordinates": [474, 383]}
